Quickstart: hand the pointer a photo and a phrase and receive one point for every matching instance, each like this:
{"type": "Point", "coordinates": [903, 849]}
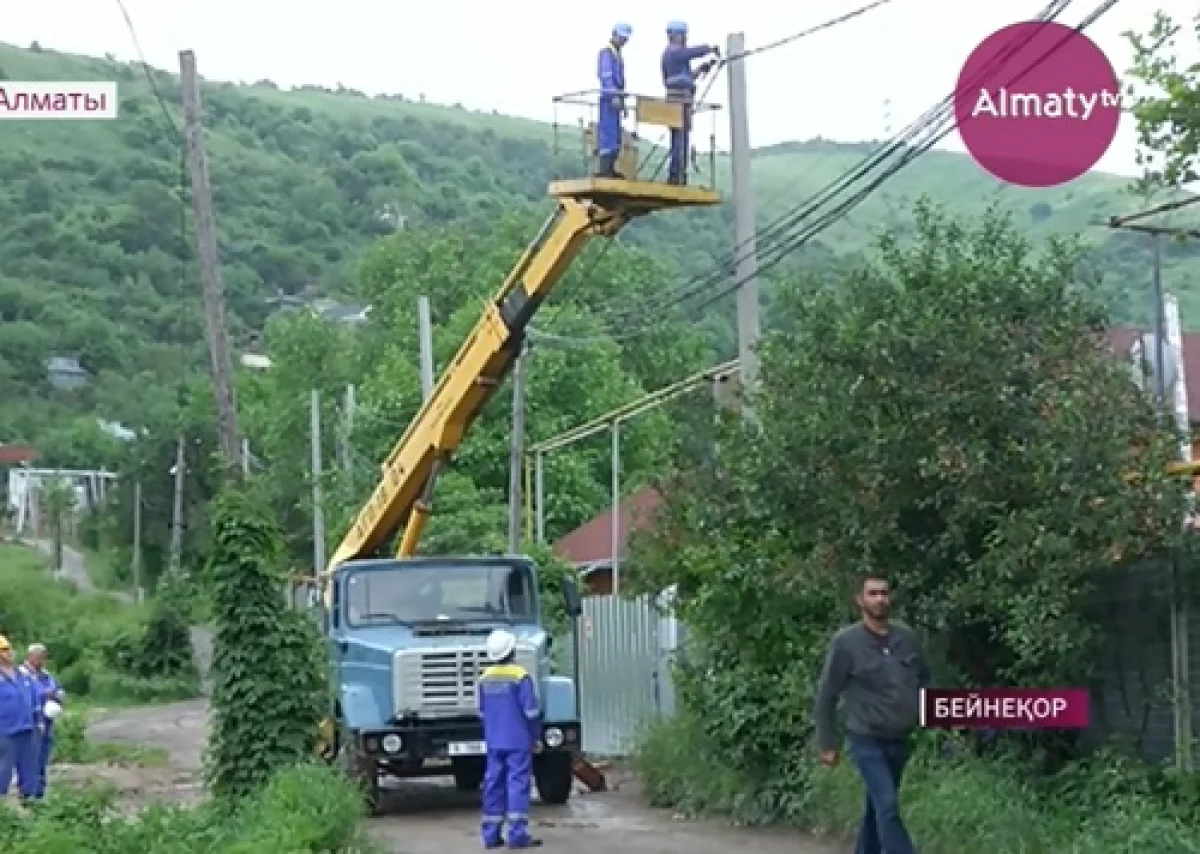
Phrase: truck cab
{"type": "Point", "coordinates": [406, 640]}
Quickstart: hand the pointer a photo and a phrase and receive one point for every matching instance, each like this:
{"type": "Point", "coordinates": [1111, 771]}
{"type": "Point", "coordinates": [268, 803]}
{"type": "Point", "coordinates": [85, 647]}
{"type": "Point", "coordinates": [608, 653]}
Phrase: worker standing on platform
{"type": "Point", "coordinates": [680, 82]}
{"type": "Point", "coordinates": [511, 732]}
{"type": "Point", "coordinates": [611, 70]}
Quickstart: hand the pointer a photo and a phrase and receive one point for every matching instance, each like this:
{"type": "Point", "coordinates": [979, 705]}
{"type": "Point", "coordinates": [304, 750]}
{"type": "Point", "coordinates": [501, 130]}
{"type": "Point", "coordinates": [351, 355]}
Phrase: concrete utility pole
{"type": "Point", "coordinates": [210, 271]}
{"type": "Point", "coordinates": [317, 494]}
{"type": "Point", "coordinates": [425, 332]}
{"type": "Point", "coordinates": [746, 248]}
{"type": "Point", "coordinates": [516, 468]}
{"type": "Point", "coordinates": [178, 470]}
{"type": "Point", "coordinates": [349, 406]}
{"type": "Point", "coordinates": [137, 541]}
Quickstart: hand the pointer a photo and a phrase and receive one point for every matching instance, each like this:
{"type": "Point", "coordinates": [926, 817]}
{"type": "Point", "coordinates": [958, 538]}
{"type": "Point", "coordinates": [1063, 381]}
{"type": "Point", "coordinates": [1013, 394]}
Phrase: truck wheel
{"type": "Point", "coordinates": [468, 774]}
{"type": "Point", "coordinates": [364, 771]}
{"type": "Point", "coordinates": [554, 777]}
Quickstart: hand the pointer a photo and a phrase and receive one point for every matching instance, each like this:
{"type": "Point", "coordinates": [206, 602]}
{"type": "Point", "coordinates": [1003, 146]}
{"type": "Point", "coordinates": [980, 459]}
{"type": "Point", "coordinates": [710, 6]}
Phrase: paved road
{"type": "Point", "coordinates": [430, 817]}
{"type": "Point", "coordinates": [74, 569]}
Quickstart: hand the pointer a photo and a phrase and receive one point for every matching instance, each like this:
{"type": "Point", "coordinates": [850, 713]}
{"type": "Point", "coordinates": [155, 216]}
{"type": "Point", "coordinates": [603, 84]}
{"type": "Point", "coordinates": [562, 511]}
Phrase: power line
{"type": "Point", "coordinates": [840, 19]}
{"type": "Point", "coordinates": [788, 232]}
{"type": "Point", "coordinates": [825, 25]}
{"type": "Point", "coordinates": [832, 216]}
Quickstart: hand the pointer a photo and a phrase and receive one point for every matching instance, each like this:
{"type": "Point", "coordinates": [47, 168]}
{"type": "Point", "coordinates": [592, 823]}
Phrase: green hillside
{"type": "Point", "coordinates": [96, 266]}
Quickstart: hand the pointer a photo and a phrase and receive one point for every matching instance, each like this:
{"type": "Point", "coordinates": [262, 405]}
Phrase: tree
{"type": "Point", "coordinates": [1166, 101]}
{"type": "Point", "coordinates": [945, 415]}
{"type": "Point", "coordinates": [59, 500]}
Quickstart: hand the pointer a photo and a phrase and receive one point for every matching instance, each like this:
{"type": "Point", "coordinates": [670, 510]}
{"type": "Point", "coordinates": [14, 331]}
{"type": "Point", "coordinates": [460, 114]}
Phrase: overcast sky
{"type": "Point", "coordinates": [841, 84]}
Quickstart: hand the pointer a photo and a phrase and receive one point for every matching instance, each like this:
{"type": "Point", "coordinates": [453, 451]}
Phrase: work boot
{"type": "Point", "coordinates": [606, 166]}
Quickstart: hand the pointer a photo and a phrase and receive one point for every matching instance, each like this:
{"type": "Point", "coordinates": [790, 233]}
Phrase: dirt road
{"type": "Point", "coordinates": [429, 817]}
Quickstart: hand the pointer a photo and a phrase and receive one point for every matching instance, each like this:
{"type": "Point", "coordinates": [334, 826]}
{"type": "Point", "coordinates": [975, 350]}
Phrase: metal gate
{"type": "Point", "coordinates": [625, 649]}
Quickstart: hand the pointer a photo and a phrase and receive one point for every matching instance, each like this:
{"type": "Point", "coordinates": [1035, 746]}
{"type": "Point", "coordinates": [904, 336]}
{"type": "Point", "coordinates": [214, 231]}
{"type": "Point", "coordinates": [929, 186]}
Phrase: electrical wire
{"type": "Point", "coordinates": [933, 134]}
{"type": "Point", "coordinates": [840, 19]}
{"type": "Point", "coordinates": [781, 235]}
{"type": "Point", "coordinates": [701, 100]}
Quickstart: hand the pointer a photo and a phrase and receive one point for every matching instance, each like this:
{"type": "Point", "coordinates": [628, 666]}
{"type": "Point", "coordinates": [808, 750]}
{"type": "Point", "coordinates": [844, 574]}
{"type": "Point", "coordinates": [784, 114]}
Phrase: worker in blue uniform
{"type": "Point", "coordinates": [49, 703]}
{"type": "Point", "coordinates": [511, 732]}
{"type": "Point", "coordinates": [680, 82]}
{"type": "Point", "coordinates": [18, 745]}
{"type": "Point", "coordinates": [611, 71]}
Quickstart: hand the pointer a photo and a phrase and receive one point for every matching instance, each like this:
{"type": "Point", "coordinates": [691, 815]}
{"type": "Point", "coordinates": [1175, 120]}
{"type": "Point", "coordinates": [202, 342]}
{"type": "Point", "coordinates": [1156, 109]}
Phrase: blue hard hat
{"type": "Point", "coordinates": [623, 31]}
{"type": "Point", "coordinates": [677, 28]}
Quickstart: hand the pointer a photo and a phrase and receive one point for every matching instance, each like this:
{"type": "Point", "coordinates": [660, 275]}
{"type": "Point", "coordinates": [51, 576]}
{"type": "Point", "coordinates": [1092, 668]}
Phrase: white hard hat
{"type": "Point", "coordinates": [52, 710]}
{"type": "Point", "coordinates": [500, 644]}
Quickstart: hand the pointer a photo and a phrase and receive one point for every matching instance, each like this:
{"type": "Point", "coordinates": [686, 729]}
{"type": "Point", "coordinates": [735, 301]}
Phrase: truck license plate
{"type": "Point", "coordinates": [467, 748]}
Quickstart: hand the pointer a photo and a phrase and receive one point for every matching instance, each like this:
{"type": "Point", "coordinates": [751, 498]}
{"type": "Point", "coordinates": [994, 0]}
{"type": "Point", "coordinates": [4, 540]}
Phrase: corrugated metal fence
{"type": "Point", "coordinates": [625, 651]}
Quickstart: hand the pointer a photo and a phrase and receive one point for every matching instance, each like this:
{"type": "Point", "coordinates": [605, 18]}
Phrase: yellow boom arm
{"type": "Point", "coordinates": [403, 496]}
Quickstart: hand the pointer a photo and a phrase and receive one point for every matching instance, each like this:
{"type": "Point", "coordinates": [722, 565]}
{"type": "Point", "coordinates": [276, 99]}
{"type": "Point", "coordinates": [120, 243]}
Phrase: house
{"type": "Point", "coordinates": [589, 547]}
{"type": "Point", "coordinates": [65, 372]}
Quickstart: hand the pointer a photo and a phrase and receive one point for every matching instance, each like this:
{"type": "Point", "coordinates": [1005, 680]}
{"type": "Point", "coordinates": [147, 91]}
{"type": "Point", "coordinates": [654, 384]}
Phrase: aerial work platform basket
{"type": "Point", "coordinates": [641, 164]}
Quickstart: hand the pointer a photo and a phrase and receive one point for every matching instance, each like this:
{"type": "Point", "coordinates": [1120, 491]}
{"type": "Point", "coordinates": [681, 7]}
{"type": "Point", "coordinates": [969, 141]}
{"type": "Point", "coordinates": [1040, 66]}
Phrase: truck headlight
{"type": "Point", "coordinates": [554, 737]}
{"type": "Point", "coordinates": [392, 743]}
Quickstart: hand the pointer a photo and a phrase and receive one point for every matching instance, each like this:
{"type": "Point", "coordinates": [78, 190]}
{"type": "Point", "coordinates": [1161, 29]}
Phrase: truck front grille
{"type": "Point", "coordinates": [441, 682]}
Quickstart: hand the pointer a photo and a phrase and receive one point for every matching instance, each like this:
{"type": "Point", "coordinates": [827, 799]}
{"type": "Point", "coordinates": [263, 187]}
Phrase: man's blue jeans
{"type": "Point", "coordinates": [880, 763]}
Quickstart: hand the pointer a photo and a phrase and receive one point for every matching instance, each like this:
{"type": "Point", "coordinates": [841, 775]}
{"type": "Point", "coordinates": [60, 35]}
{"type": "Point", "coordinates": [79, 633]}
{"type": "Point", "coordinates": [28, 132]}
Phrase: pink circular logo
{"type": "Point", "coordinates": [1037, 104]}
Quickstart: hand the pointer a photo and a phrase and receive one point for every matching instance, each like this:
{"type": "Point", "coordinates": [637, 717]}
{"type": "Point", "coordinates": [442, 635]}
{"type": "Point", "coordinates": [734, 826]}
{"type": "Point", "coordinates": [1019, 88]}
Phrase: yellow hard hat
{"type": "Point", "coordinates": [4, 644]}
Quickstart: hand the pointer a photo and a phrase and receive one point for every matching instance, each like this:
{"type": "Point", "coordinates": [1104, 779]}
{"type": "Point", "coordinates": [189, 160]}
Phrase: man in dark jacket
{"type": "Point", "coordinates": [680, 82]}
{"type": "Point", "coordinates": [877, 669]}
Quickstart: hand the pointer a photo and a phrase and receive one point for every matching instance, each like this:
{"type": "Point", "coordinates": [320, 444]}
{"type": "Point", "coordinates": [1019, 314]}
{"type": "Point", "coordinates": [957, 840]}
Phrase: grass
{"type": "Point", "coordinates": [73, 747]}
{"type": "Point", "coordinates": [950, 804]}
{"type": "Point", "coordinates": [96, 643]}
{"type": "Point", "coordinates": [306, 809]}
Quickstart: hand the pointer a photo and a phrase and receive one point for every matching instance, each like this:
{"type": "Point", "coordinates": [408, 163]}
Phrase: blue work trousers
{"type": "Point", "coordinates": [18, 755]}
{"type": "Point", "coordinates": [45, 744]}
{"type": "Point", "coordinates": [880, 763]}
{"type": "Point", "coordinates": [680, 140]}
{"type": "Point", "coordinates": [506, 797]}
{"type": "Point", "coordinates": [608, 128]}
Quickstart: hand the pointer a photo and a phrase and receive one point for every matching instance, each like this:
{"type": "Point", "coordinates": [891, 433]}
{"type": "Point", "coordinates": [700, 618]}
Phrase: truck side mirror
{"type": "Point", "coordinates": [571, 600]}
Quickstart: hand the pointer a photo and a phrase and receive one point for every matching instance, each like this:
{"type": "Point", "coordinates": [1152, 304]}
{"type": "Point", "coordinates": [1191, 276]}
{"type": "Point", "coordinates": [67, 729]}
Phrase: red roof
{"type": "Point", "coordinates": [592, 541]}
{"type": "Point", "coordinates": [11, 455]}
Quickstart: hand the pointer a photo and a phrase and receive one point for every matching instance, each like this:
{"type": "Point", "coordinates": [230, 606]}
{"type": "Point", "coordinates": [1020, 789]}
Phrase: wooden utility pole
{"type": "Point", "coordinates": [318, 472]}
{"type": "Point", "coordinates": [137, 540]}
{"type": "Point", "coordinates": [179, 470]}
{"type": "Point", "coordinates": [210, 271]}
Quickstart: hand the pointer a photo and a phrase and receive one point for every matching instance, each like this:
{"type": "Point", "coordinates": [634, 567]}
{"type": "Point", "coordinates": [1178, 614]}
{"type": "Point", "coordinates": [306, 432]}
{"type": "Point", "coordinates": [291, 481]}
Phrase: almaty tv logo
{"type": "Point", "coordinates": [43, 99]}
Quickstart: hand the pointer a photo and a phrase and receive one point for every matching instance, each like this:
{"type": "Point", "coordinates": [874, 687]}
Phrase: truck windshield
{"type": "Point", "coordinates": [457, 593]}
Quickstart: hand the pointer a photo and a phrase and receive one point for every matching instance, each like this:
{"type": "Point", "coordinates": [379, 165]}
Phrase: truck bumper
{"type": "Point", "coordinates": [412, 744]}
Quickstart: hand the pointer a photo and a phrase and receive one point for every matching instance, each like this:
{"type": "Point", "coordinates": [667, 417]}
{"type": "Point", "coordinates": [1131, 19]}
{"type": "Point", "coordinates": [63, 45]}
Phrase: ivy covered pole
{"type": "Point", "coordinates": [270, 686]}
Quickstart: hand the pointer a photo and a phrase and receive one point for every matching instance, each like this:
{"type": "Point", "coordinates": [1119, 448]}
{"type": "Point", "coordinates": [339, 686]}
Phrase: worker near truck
{"type": "Point", "coordinates": [680, 82]}
{"type": "Point", "coordinates": [48, 703]}
{"type": "Point", "coordinates": [611, 71]}
{"type": "Point", "coordinates": [511, 731]}
{"type": "Point", "coordinates": [877, 668]}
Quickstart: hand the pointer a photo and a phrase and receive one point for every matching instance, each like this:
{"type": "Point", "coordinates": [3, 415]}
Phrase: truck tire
{"type": "Point", "coordinates": [364, 771]}
{"type": "Point", "coordinates": [468, 774]}
{"type": "Point", "coordinates": [554, 777]}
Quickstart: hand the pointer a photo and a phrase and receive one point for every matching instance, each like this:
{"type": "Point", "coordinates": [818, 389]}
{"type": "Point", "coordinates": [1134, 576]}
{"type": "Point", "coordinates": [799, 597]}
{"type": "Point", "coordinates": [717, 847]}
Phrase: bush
{"type": "Point", "coordinates": [951, 803]}
{"type": "Point", "coordinates": [99, 647]}
{"type": "Point", "coordinates": [304, 809]}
